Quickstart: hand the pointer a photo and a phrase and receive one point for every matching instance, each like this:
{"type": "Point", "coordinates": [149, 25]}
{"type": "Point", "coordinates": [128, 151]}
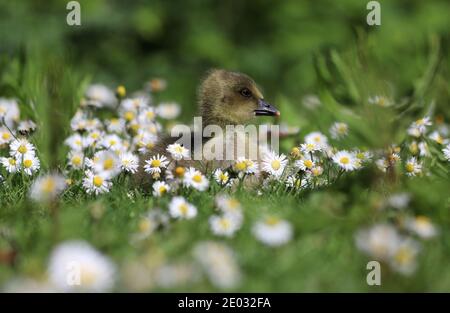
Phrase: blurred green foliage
{"type": "Point", "coordinates": [279, 43]}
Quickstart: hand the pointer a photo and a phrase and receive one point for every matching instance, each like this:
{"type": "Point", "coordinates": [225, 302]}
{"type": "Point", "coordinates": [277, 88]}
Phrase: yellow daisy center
{"type": "Point", "coordinates": [272, 220]}
{"type": "Point", "coordinates": [76, 160]}
{"type": "Point", "coordinates": [129, 116]}
{"type": "Point", "coordinates": [22, 149]}
{"type": "Point", "coordinates": [162, 189]}
{"type": "Point", "coordinates": [145, 225]}
{"type": "Point", "coordinates": [276, 164]}
{"type": "Point", "coordinates": [108, 164]}
{"type": "Point", "coordinates": [179, 171]}
{"type": "Point", "coordinates": [197, 178]}
{"type": "Point", "coordinates": [344, 160]}
{"type": "Point", "coordinates": [409, 167]}
{"type": "Point", "coordinates": [156, 163]}
{"type": "Point", "coordinates": [12, 161]}
{"type": "Point", "coordinates": [6, 136]}
{"type": "Point", "coordinates": [27, 163]}
{"type": "Point", "coordinates": [308, 163]}
{"type": "Point", "coordinates": [183, 209]}
{"type": "Point", "coordinates": [225, 223]}
{"type": "Point", "coordinates": [403, 256]}
{"type": "Point", "coordinates": [48, 185]}
{"type": "Point", "coordinates": [240, 166]}
{"type": "Point", "coordinates": [223, 177]}
{"type": "Point", "coordinates": [98, 181]}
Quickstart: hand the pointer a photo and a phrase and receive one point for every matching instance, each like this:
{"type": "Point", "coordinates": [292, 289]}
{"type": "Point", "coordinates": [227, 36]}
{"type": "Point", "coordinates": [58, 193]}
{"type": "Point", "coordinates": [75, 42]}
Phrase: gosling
{"type": "Point", "coordinates": [224, 98]}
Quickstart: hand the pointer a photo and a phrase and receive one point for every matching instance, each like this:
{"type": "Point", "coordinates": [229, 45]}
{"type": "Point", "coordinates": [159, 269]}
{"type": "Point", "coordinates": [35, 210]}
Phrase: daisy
{"type": "Point", "coordinates": [446, 152]}
{"type": "Point", "coordinates": [246, 166]}
{"type": "Point", "coordinates": [413, 167]}
{"type": "Point", "coordinates": [419, 127]}
{"type": "Point", "coordinates": [317, 138]}
{"type": "Point", "coordinates": [381, 101]}
{"type": "Point", "coordinates": [219, 263]}
{"type": "Point", "coordinates": [221, 177]}
{"type": "Point", "coordinates": [224, 225]}
{"type": "Point", "coordinates": [404, 259]}
{"type": "Point", "coordinates": [230, 206]}
{"type": "Point", "coordinates": [75, 142]}
{"type": "Point", "coordinates": [424, 151]}
{"type": "Point", "coordinates": [309, 147]}
{"type": "Point", "coordinates": [195, 179]}
{"type": "Point", "coordinates": [177, 151]}
{"type": "Point", "coordinates": [105, 162]}
{"type": "Point", "coordinates": [382, 164]}
{"type": "Point", "coordinates": [273, 231]}
{"type": "Point", "coordinates": [112, 142]}
{"type": "Point", "coordinates": [274, 164]}
{"type": "Point", "coordinates": [422, 226]}
{"type": "Point", "coordinates": [148, 115]}
{"type": "Point", "coordinates": [316, 171]}
{"type": "Point", "coordinates": [346, 160]}
{"type": "Point", "coordinates": [99, 96]}
{"type": "Point", "coordinates": [9, 111]}
{"type": "Point", "coordinates": [150, 222]}
{"type": "Point", "coordinates": [146, 142]}
{"type": "Point", "coordinates": [168, 111]}
{"type": "Point", "coordinates": [160, 188]}
{"type": "Point", "coordinates": [10, 164]}
{"type": "Point", "coordinates": [155, 164]}
{"type": "Point", "coordinates": [21, 147]}
{"type": "Point", "coordinates": [5, 136]}
{"type": "Point", "coordinates": [26, 127]}
{"type": "Point", "coordinates": [129, 162]}
{"type": "Point", "coordinates": [380, 241]}
{"type": "Point", "coordinates": [76, 159]}
{"type": "Point", "coordinates": [304, 164]}
{"type": "Point", "coordinates": [438, 138]}
{"type": "Point", "coordinates": [30, 164]}
{"type": "Point", "coordinates": [294, 182]}
{"type": "Point", "coordinates": [77, 266]}
{"type": "Point", "coordinates": [115, 125]}
{"type": "Point", "coordinates": [96, 183]}
{"type": "Point", "coordinates": [339, 130]}
{"type": "Point", "coordinates": [180, 208]}
{"type": "Point", "coordinates": [47, 188]}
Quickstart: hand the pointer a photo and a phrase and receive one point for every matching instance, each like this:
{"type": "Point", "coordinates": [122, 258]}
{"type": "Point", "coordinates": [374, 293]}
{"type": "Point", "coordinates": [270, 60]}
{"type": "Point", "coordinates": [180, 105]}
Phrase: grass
{"type": "Point", "coordinates": [321, 256]}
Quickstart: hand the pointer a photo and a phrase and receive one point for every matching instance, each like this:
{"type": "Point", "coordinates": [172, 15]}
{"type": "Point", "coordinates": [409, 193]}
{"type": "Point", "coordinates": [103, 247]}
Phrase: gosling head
{"type": "Point", "coordinates": [230, 98]}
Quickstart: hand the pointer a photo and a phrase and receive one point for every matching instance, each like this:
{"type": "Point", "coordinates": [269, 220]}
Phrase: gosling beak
{"type": "Point", "coordinates": [266, 109]}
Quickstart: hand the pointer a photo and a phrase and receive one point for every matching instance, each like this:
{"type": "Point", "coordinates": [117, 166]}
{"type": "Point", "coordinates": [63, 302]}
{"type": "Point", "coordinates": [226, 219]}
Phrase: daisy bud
{"type": "Point", "coordinates": [121, 91]}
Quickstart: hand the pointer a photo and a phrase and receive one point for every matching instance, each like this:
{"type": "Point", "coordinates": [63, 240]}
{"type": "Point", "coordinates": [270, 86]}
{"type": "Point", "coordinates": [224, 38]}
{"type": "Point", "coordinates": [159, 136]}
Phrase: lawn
{"type": "Point", "coordinates": [364, 157]}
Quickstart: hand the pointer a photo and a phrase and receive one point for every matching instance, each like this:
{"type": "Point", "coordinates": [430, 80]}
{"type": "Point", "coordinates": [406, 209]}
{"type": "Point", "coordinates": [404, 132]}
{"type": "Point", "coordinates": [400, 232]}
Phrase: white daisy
{"type": "Point", "coordinates": [168, 110]}
{"type": "Point", "coordinates": [422, 226]}
{"type": "Point", "coordinates": [413, 167]}
{"type": "Point", "coordinates": [160, 188]}
{"type": "Point", "coordinates": [96, 183]}
{"type": "Point", "coordinates": [180, 208]}
{"type": "Point", "coordinates": [20, 147]}
{"type": "Point", "coordinates": [295, 182]}
{"type": "Point", "coordinates": [99, 96]}
{"type": "Point", "coordinates": [219, 263]}
{"type": "Point", "coordinates": [76, 159]}
{"type": "Point", "coordinates": [273, 231]}
{"type": "Point", "coordinates": [222, 177]}
{"type": "Point", "coordinates": [112, 142]}
{"type": "Point", "coordinates": [195, 179]}
{"type": "Point", "coordinates": [346, 160]}
{"type": "Point", "coordinates": [380, 241]}
{"type": "Point", "coordinates": [419, 127]}
{"type": "Point", "coordinates": [75, 142]}
{"type": "Point", "coordinates": [274, 164]}
{"type": "Point", "coordinates": [305, 164]}
{"type": "Point", "coordinates": [404, 259]}
{"type": "Point", "coordinates": [10, 164]}
{"type": "Point", "coordinates": [309, 147]}
{"type": "Point", "coordinates": [317, 138]}
{"type": "Point", "coordinates": [47, 188]}
{"type": "Point", "coordinates": [147, 115]}
{"type": "Point", "coordinates": [436, 136]}
{"type": "Point", "coordinates": [177, 151]}
{"type": "Point", "coordinates": [339, 130]}
{"type": "Point", "coordinates": [77, 266]}
{"type": "Point", "coordinates": [115, 125]}
{"type": "Point", "coordinates": [146, 142]}
{"type": "Point", "coordinates": [446, 152]}
{"type": "Point", "coordinates": [424, 151]}
{"type": "Point", "coordinates": [245, 166]}
{"type": "Point", "coordinates": [5, 136]}
{"type": "Point", "coordinates": [9, 111]}
{"type": "Point", "coordinates": [105, 162]}
{"type": "Point", "coordinates": [129, 162]}
{"type": "Point", "coordinates": [381, 101]}
{"type": "Point", "coordinates": [155, 164]}
{"type": "Point", "coordinates": [224, 225]}
{"type": "Point", "coordinates": [30, 163]}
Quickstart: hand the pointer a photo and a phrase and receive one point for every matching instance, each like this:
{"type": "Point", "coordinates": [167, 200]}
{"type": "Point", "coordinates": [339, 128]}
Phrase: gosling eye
{"type": "Point", "coordinates": [245, 92]}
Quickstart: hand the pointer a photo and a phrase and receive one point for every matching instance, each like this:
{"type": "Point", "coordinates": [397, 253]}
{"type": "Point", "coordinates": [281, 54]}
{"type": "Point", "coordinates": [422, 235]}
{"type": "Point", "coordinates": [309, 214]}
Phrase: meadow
{"type": "Point", "coordinates": [362, 173]}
